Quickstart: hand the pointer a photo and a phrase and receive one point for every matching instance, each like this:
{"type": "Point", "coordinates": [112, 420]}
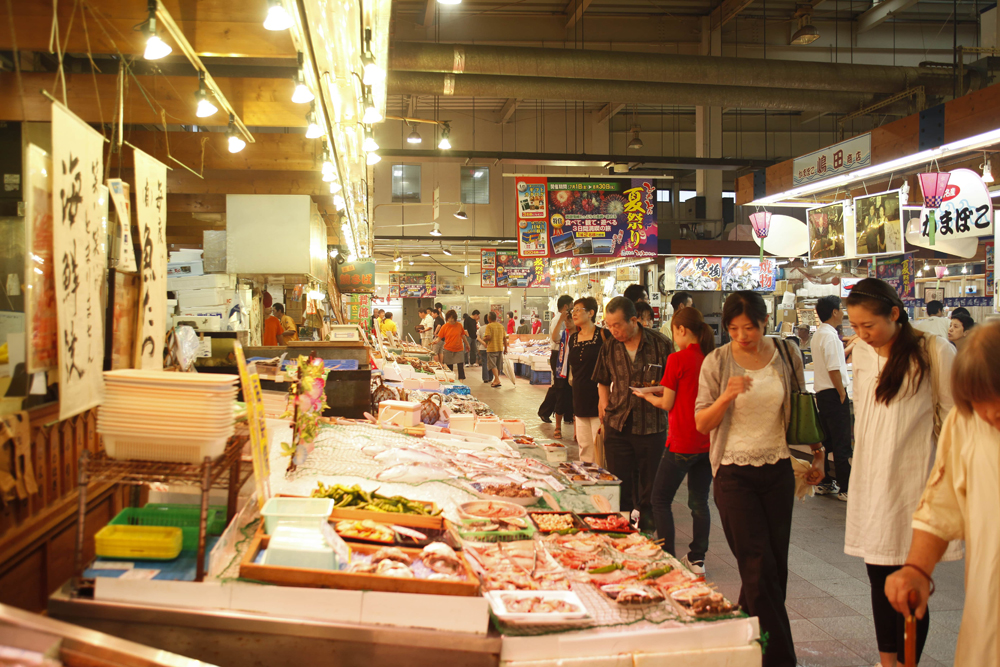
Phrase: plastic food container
{"type": "Point", "coordinates": [182, 449]}
{"type": "Point", "coordinates": [185, 517]}
{"type": "Point", "coordinates": [300, 546]}
{"type": "Point", "coordinates": [139, 542]}
{"type": "Point", "coordinates": [301, 511]}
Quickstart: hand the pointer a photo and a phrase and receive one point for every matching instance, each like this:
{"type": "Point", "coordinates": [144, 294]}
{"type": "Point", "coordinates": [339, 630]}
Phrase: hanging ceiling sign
{"type": "Point", "coordinates": [356, 276]}
{"type": "Point", "coordinates": [503, 268]}
{"type": "Point", "coordinates": [826, 232]}
{"type": "Point", "coordinates": [878, 224]}
{"type": "Point", "coordinates": [966, 209]}
{"type": "Point", "coordinates": [532, 218]}
{"type": "Point", "coordinates": [728, 274]}
{"type": "Point", "coordinates": [854, 153]}
{"type": "Point", "coordinates": [412, 284]}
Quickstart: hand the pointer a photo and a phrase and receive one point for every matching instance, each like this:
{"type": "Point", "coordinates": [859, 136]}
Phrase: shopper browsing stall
{"type": "Point", "coordinates": [636, 293]}
{"type": "Point", "coordinates": [901, 386]}
{"type": "Point", "coordinates": [959, 328]}
{"type": "Point", "coordinates": [554, 401]}
{"type": "Point", "coordinates": [744, 401]}
{"type": "Point", "coordinates": [678, 301]}
{"type": "Point", "coordinates": [560, 381]}
{"type": "Point", "coordinates": [830, 384]}
{"type": "Point", "coordinates": [686, 448]}
{"type": "Point", "coordinates": [960, 503]}
{"type": "Point", "coordinates": [426, 327]}
{"type": "Point", "coordinates": [511, 323]}
{"type": "Point", "coordinates": [935, 322]}
{"type": "Point", "coordinates": [496, 345]}
{"type": "Point", "coordinates": [584, 348]}
{"type": "Point", "coordinates": [388, 326]}
{"type": "Point", "coordinates": [455, 342]}
{"type": "Point", "coordinates": [524, 327]}
{"type": "Point", "coordinates": [472, 328]}
{"type": "Point", "coordinates": [634, 430]}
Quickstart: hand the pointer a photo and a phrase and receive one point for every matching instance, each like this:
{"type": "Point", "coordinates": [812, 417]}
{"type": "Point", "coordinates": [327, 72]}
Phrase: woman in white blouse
{"type": "Point", "coordinates": [902, 389]}
{"type": "Point", "coordinates": [743, 402]}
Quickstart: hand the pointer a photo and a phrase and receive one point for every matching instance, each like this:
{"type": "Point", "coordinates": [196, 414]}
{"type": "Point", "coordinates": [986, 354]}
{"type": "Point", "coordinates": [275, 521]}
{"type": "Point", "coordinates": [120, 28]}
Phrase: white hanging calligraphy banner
{"type": "Point", "coordinates": [123, 207]}
{"type": "Point", "coordinates": [77, 171]}
{"type": "Point", "coordinates": [151, 214]}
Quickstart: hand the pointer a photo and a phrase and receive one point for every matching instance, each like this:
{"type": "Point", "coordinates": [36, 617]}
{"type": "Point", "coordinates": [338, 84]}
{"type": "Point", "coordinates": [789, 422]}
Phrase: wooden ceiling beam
{"type": "Point", "coordinates": [196, 203]}
{"type": "Point", "coordinates": [260, 102]}
{"type": "Point", "coordinates": [215, 28]}
{"type": "Point", "coordinates": [241, 182]}
{"type": "Point", "coordinates": [270, 151]}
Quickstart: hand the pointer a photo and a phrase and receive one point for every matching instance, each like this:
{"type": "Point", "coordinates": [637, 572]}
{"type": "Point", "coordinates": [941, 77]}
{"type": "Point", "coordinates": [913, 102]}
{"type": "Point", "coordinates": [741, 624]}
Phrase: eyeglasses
{"type": "Point", "coordinates": [578, 309]}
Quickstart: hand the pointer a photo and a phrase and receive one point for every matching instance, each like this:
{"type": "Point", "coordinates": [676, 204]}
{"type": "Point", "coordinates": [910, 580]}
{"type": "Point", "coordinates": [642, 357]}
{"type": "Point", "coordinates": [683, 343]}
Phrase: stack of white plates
{"type": "Point", "coordinates": [164, 416]}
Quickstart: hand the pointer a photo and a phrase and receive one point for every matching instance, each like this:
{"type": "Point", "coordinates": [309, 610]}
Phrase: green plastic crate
{"type": "Point", "coordinates": [185, 517]}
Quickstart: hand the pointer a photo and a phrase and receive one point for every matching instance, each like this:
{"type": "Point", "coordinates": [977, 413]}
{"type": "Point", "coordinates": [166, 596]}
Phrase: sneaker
{"type": "Point", "coordinates": [842, 496]}
{"type": "Point", "coordinates": [696, 566]}
{"type": "Point", "coordinates": [830, 489]}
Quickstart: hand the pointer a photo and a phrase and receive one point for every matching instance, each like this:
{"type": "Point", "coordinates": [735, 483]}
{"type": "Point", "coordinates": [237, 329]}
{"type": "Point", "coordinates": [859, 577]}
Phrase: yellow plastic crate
{"type": "Point", "coordinates": [139, 542]}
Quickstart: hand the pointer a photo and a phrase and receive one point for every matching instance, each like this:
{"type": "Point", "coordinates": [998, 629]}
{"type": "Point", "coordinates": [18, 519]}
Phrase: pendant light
{"type": "Point", "coordinates": [371, 114]}
{"type": "Point", "coordinates": [156, 48]}
{"type": "Point", "coordinates": [369, 145]}
{"type": "Point", "coordinates": [205, 108]}
{"type": "Point", "coordinates": [372, 72]}
{"type": "Point", "coordinates": [445, 143]}
{"type": "Point", "coordinates": [373, 158]}
{"type": "Point", "coordinates": [335, 187]}
{"type": "Point", "coordinates": [313, 131]}
{"type": "Point", "coordinates": [301, 94]}
{"type": "Point", "coordinates": [987, 170]}
{"type": "Point", "coordinates": [236, 143]}
{"type": "Point", "coordinates": [414, 136]}
{"type": "Point", "coordinates": [446, 251]}
{"type": "Point", "coordinates": [277, 17]}
{"type": "Point", "coordinates": [327, 169]}
{"type": "Point", "coordinates": [461, 214]}
{"type": "Point", "coordinates": [436, 231]}
{"type": "Point", "coordinates": [636, 142]}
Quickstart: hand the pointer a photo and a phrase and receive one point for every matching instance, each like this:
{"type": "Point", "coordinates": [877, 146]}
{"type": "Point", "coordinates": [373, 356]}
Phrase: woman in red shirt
{"type": "Point", "coordinates": [687, 449]}
{"type": "Point", "coordinates": [456, 342]}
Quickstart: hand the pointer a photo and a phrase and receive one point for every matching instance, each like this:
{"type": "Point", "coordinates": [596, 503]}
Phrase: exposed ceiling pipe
{"type": "Point", "coordinates": [661, 68]}
{"type": "Point", "coordinates": [629, 92]}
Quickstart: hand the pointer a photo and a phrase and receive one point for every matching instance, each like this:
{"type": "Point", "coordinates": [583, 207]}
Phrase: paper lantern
{"type": "Point", "coordinates": [940, 271]}
{"type": "Point", "coordinates": [761, 223]}
{"type": "Point", "coordinates": [932, 186]}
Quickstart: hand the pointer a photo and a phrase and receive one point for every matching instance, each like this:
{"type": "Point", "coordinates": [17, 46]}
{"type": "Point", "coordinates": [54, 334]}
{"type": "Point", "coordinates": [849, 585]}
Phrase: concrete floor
{"type": "Point", "coordinates": [828, 601]}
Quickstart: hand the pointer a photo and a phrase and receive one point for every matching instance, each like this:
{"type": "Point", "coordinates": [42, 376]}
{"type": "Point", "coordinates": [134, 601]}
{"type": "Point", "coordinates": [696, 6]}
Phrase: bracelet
{"type": "Point", "coordinates": [925, 575]}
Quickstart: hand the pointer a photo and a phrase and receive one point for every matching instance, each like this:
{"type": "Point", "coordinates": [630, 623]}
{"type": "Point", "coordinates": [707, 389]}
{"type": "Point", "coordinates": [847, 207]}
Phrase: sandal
{"type": "Point", "coordinates": [557, 433]}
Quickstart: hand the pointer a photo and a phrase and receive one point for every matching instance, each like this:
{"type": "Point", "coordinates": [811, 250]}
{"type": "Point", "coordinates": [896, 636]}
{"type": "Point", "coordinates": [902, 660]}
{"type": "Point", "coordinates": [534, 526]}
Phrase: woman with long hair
{"type": "Point", "coordinates": [744, 401]}
{"type": "Point", "coordinates": [584, 346]}
{"type": "Point", "coordinates": [454, 339]}
{"type": "Point", "coordinates": [902, 390]}
{"type": "Point", "coordinates": [687, 448]}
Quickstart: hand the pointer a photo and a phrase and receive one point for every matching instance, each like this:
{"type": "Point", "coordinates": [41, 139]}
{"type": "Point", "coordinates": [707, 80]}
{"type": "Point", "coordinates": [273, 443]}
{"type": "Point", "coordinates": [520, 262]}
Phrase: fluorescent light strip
{"type": "Point", "coordinates": [970, 143]}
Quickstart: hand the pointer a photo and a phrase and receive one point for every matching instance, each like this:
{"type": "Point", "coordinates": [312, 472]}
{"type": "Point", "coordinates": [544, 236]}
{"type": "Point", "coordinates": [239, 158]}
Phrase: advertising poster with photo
{"type": "Point", "coordinates": [450, 285]}
{"type": "Point", "coordinates": [826, 232]}
{"type": "Point", "coordinates": [748, 273]}
{"type": "Point", "coordinates": [532, 218]}
{"type": "Point", "coordinates": [612, 218]}
{"type": "Point", "coordinates": [513, 271]}
{"type": "Point", "coordinates": [412, 284]}
{"type": "Point", "coordinates": [899, 273]}
{"type": "Point", "coordinates": [990, 248]}
{"type": "Point", "coordinates": [966, 209]}
{"type": "Point", "coordinates": [699, 274]}
{"type": "Point", "coordinates": [878, 224]}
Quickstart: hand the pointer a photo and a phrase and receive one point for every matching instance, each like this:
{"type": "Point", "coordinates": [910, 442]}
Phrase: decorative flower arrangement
{"type": "Point", "coordinates": [306, 402]}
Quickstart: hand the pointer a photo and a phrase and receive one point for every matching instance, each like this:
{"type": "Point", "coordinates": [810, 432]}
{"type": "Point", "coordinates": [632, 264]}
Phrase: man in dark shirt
{"type": "Point", "coordinates": [471, 324]}
{"type": "Point", "coordinates": [634, 431]}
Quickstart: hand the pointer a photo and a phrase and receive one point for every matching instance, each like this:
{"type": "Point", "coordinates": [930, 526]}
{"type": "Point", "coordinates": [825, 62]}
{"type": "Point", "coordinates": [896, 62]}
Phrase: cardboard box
{"type": "Point", "coordinates": [787, 315]}
{"type": "Point", "coordinates": [206, 281]}
{"type": "Point", "coordinates": [220, 311]}
{"type": "Point", "coordinates": [177, 269]}
{"type": "Point", "coordinates": [216, 296]}
{"type": "Point", "coordinates": [201, 322]}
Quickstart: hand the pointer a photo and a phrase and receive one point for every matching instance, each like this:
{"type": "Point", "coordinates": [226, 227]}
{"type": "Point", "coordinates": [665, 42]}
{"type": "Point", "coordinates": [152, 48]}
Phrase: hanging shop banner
{"type": "Point", "coordinates": [854, 153]}
{"type": "Point", "coordinates": [78, 165]}
{"type": "Point", "coordinates": [412, 284]}
{"type": "Point", "coordinates": [257, 422]}
{"type": "Point", "coordinates": [532, 220]}
{"type": "Point", "coordinates": [123, 207]}
{"type": "Point", "coordinates": [613, 218]}
{"type": "Point", "coordinates": [748, 273]}
{"type": "Point", "coordinates": [356, 277]}
{"type": "Point", "coordinates": [503, 268]}
{"type": "Point", "coordinates": [991, 285]}
{"type": "Point", "coordinates": [699, 274]}
{"type": "Point", "coordinates": [42, 351]}
{"type": "Point", "coordinates": [826, 232]}
{"type": "Point", "coordinates": [899, 273]}
{"type": "Point", "coordinates": [151, 211]}
{"type": "Point", "coordinates": [966, 209]}
{"type": "Point", "coordinates": [358, 309]}
{"type": "Point", "coordinates": [878, 224]}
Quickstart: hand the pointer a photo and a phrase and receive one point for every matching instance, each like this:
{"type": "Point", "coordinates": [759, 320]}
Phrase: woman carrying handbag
{"type": "Point", "coordinates": [745, 402]}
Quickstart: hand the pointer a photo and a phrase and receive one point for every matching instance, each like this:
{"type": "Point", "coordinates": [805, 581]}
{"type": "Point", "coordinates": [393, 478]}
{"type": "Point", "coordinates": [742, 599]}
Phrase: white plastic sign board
{"type": "Point", "coordinates": [966, 210]}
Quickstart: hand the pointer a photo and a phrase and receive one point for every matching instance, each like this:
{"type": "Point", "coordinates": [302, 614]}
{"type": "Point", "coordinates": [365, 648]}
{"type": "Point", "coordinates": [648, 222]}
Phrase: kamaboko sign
{"type": "Point", "coordinates": [966, 209]}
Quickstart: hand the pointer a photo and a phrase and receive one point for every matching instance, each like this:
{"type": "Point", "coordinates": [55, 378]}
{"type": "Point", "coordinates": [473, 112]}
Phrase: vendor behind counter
{"type": "Point", "coordinates": [279, 328]}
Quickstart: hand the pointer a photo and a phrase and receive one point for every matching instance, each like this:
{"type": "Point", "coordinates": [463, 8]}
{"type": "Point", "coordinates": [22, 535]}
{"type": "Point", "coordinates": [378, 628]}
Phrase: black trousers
{"type": "Point", "coordinates": [635, 459]}
{"type": "Point", "coordinates": [836, 419]}
{"type": "Point", "coordinates": [755, 505]}
{"type": "Point", "coordinates": [559, 398]}
{"type": "Point", "coordinates": [889, 623]}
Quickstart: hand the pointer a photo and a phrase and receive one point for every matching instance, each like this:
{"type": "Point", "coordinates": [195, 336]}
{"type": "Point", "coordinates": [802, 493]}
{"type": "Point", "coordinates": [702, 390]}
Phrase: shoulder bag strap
{"type": "Point", "coordinates": [786, 357]}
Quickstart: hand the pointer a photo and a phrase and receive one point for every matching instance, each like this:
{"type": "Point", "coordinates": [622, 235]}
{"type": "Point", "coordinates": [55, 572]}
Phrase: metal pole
{"type": "Point", "coordinates": [206, 487]}
{"type": "Point", "coordinates": [81, 513]}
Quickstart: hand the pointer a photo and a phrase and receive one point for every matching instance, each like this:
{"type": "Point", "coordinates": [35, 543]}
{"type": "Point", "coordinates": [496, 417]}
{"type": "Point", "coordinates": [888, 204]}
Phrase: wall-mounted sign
{"type": "Point", "coordinates": [412, 284]}
{"type": "Point", "coordinates": [355, 277]}
{"type": "Point", "coordinates": [503, 268]}
{"type": "Point", "coordinates": [966, 209]}
{"type": "Point", "coordinates": [627, 274]}
{"type": "Point", "coordinates": [584, 217]}
{"type": "Point", "coordinates": [730, 274]}
{"type": "Point", "coordinates": [848, 155]}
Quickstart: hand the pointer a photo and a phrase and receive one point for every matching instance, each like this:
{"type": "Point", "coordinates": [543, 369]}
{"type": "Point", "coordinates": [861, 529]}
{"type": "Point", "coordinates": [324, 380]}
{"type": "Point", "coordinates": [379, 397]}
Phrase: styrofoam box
{"type": "Point", "coordinates": [219, 310]}
{"type": "Point", "coordinates": [411, 383]}
{"type": "Point", "coordinates": [490, 427]}
{"type": "Point", "coordinates": [540, 364]}
{"type": "Point", "coordinates": [206, 281]}
{"type": "Point", "coordinates": [200, 322]}
{"type": "Point", "coordinates": [430, 383]}
{"type": "Point", "coordinates": [462, 423]}
{"type": "Point", "coordinates": [206, 297]}
{"type": "Point", "coordinates": [399, 413]}
{"type": "Point", "coordinates": [177, 269]}
{"type": "Point", "coordinates": [515, 426]}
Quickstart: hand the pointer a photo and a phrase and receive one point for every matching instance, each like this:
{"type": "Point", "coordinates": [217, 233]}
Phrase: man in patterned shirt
{"type": "Point", "coordinates": [634, 430]}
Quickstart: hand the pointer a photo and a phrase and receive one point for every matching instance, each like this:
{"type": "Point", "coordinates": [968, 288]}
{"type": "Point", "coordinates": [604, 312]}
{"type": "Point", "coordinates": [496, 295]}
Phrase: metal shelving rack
{"type": "Point", "coordinates": [208, 474]}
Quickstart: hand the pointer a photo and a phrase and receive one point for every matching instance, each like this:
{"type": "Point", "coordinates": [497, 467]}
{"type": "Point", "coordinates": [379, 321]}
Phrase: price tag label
{"type": "Point", "coordinates": [554, 483]}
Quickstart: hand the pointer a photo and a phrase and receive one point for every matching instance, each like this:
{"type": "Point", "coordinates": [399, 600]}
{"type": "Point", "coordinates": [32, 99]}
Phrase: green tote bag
{"type": "Point", "coordinates": [804, 427]}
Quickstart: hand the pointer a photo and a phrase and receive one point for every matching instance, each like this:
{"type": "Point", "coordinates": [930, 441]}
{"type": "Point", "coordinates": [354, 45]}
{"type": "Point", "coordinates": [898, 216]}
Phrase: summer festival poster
{"type": "Point", "coordinates": [503, 268]}
{"type": "Point", "coordinates": [587, 217]}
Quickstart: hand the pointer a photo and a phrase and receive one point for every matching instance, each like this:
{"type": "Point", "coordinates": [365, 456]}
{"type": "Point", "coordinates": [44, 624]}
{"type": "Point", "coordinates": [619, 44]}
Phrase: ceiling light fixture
{"type": "Point", "coordinates": [414, 136]}
{"type": "Point", "coordinates": [461, 214]}
{"type": "Point", "coordinates": [313, 131]}
{"type": "Point", "coordinates": [339, 203]}
{"type": "Point", "coordinates": [373, 158]}
{"type": "Point", "coordinates": [372, 73]}
{"type": "Point", "coordinates": [369, 145]}
{"type": "Point", "coordinates": [636, 142]}
{"type": "Point", "coordinates": [449, 2]}
{"type": "Point", "coordinates": [277, 17]}
{"type": "Point", "coordinates": [425, 254]}
{"type": "Point", "coordinates": [436, 231]}
{"type": "Point", "coordinates": [334, 253]}
{"type": "Point", "coordinates": [445, 143]}
{"type": "Point", "coordinates": [205, 108]}
{"type": "Point", "coordinates": [411, 260]}
{"type": "Point", "coordinates": [807, 32]}
{"type": "Point", "coordinates": [446, 251]}
{"type": "Point", "coordinates": [371, 115]}
{"type": "Point", "coordinates": [156, 48]}
{"type": "Point", "coordinates": [466, 269]}
{"type": "Point", "coordinates": [334, 187]}
{"type": "Point", "coordinates": [236, 143]}
{"type": "Point", "coordinates": [987, 171]}
{"type": "Point", "coordinates": [302, 94]}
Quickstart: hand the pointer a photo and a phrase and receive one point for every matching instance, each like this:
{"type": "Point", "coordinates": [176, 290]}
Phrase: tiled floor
{"type": "Point", "coordinates": [828, 592]}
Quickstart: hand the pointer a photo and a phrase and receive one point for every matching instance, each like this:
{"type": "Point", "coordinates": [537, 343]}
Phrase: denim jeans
{"type": "Point", "coordinates": [487, 376]}
{"type": "Point", "coordinates": [669, 475]}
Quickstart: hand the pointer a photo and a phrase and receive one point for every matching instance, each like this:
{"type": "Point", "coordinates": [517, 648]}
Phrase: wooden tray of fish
{"type": "Point", "coordinates": [369, 576]}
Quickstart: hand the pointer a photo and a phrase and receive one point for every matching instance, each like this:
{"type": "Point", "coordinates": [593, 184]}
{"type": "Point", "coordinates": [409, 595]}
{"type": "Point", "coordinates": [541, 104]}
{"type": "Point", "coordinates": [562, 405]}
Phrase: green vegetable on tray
{"type": "Point", "coordinates": [605, 569]}
{"type": "Point", "coordinates": [658, 572]}
{"type": "Point", "coordinates": [354, 497]}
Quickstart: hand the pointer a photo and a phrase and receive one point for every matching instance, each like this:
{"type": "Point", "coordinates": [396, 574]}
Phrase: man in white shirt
{"type": "Point", "coordinates": [830, 384]}
{"type": "Point", "coordinates": [678, 301]}
{"type": "Point", "coordinates": [935, 322]}
{"type": "Point", "coordinates": [426, 328]}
